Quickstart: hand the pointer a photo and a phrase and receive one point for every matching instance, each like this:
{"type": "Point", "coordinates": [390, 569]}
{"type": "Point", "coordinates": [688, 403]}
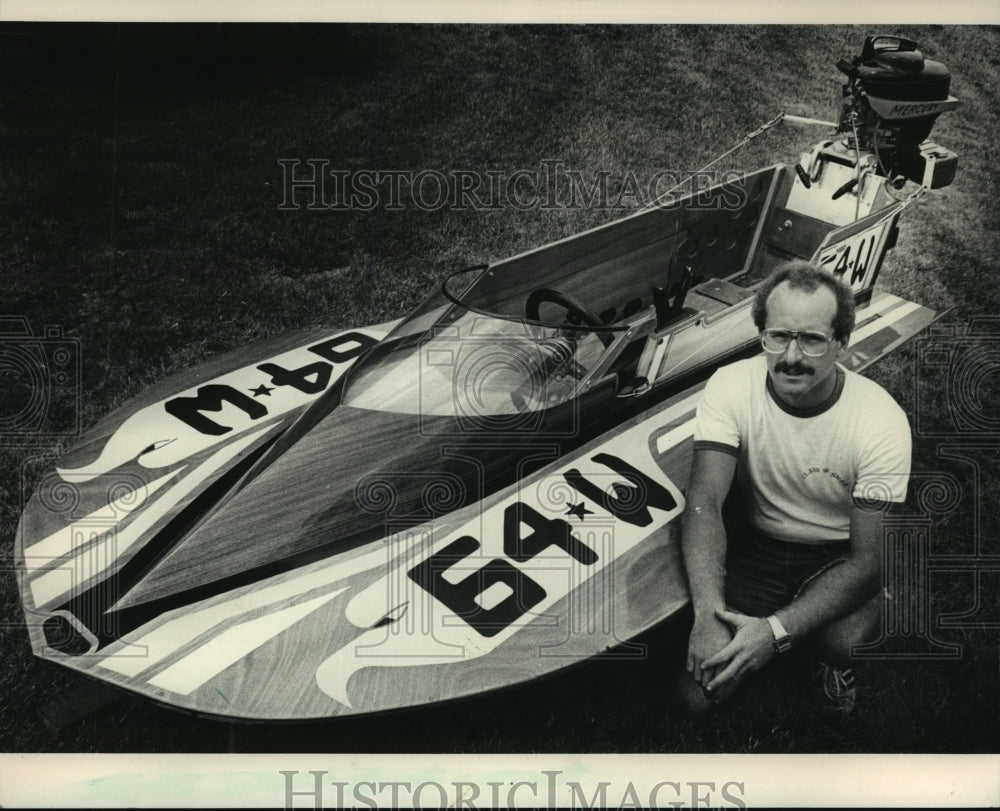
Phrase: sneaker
{"type": "Point", "coordinates": [838, 689]}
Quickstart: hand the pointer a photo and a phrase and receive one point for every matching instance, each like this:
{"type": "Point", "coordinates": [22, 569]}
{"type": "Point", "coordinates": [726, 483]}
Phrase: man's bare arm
{"type": "Point", "coordinates": [703, 545]}
{"type": "Point", "coordinates": [704, 537]}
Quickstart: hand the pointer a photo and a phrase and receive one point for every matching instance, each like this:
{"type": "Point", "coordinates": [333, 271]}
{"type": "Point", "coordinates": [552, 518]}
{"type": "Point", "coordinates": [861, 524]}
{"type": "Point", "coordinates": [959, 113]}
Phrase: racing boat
{"type": "Point", "coordinates": [475, 495]}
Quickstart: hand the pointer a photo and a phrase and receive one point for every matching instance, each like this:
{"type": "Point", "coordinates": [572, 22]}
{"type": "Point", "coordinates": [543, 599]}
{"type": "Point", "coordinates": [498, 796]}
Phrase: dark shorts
{"type": "Point", "coordinates": [763, 574]}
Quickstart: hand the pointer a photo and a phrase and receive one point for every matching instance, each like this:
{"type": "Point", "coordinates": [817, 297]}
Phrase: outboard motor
{"type": "Point", "coordinates": [891, 100]}
{"type": "Point", "coordinates": [889, 106]}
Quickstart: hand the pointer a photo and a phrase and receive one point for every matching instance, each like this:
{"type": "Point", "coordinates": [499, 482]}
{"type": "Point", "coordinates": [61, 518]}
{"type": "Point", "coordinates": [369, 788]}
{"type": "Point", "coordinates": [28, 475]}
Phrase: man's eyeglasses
{"type": "Point", "coordinates": [811, 344]}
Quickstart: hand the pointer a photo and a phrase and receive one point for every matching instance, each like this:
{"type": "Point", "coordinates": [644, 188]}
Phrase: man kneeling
{"type": "Point", "coordinates": [817, 453]}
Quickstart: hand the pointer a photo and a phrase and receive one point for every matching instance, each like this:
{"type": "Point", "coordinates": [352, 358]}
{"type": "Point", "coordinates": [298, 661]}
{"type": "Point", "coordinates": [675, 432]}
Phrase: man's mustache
{"type": "Point", "coordinates": [793, 368]}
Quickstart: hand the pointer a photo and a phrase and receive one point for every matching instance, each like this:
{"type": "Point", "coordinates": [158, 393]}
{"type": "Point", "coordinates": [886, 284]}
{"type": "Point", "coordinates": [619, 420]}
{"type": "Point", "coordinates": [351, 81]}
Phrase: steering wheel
{"type": "Point", "coordinates": [578, 311]}
{"type": "Point", "coordinates": [567, 301]}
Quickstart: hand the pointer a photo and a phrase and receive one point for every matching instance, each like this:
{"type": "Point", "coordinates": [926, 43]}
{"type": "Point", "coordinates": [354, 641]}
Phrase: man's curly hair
{"type": "Point", "coordinates": [806, 276]}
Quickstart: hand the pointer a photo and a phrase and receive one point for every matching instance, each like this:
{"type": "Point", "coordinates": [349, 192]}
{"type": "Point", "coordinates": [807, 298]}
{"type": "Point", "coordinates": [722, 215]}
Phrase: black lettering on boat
{"type": "Point", "coordinates": [545, 532]}
{"type": "Point", "coordinates": [464, 597]}
{"type": "Point", "coordinates": [861, 265]}
{"type": "Point", "coordinates": [630, 502]}
{"type": "Point", "coordinates": [333, 349]}
{"type": "Point", "coordinates": [211, 398]}
{"type": "Point", "coordinates": [309, 379]}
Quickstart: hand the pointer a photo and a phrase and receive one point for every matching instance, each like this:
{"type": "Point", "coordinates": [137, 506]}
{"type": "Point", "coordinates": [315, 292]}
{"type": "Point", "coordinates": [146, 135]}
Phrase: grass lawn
{"type": "Point", "coordinates": [140, 211]}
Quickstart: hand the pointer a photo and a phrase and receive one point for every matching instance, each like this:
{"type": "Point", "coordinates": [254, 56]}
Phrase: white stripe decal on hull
{"type": "Point", "coordinates": [189, 673]}
{"type": "Point", "coordinates": [890, 312]}
{"type": "Point", "coordinates": [675, 411]}
{"type": "Point", "coordinates": [59, 582]}
{"type": "Point", "coordinates": [161, 642]}
{"type": "Point", "coordinates": [671, 438]}
{"type": "Point", "coordinates": [72, 536]}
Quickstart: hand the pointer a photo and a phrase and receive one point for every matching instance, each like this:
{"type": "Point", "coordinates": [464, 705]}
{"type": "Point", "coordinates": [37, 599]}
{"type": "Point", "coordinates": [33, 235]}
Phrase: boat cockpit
{"type": "Point", "coordinates": [638, 302]}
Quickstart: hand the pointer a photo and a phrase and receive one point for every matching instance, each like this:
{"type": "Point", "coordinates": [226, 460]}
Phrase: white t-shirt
{"type": "Point", "coordinates": [803, 469]}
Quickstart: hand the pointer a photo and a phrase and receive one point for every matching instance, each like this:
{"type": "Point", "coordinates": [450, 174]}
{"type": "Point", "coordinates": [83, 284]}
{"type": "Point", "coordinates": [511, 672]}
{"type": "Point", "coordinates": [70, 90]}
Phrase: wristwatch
{"type": "Point", "coordinates": [782, 640]}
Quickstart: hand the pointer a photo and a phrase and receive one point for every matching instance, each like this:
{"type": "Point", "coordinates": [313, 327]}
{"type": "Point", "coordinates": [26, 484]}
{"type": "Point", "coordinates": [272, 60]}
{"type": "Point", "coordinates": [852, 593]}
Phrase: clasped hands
{"type": "Point", "coordinates": [726, 646]}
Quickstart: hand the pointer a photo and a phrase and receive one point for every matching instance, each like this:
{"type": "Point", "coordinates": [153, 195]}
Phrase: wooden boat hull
{"type": "Point", "coordinates": [566, 562]}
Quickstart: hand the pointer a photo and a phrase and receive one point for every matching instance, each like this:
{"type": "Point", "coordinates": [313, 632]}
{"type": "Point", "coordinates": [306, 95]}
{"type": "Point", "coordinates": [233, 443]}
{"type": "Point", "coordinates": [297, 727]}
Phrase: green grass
{"type": "Point", "coordinates": [140, 211]}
